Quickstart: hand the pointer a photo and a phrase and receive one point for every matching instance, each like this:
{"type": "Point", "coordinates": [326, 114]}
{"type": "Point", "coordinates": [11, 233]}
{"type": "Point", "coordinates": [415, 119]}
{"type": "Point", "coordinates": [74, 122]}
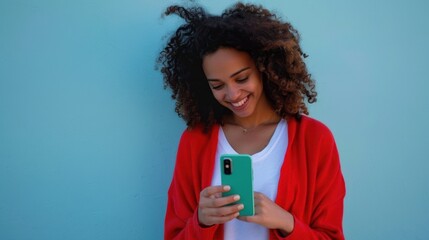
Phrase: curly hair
{"type": "Point", "coordinates": [272, 43]}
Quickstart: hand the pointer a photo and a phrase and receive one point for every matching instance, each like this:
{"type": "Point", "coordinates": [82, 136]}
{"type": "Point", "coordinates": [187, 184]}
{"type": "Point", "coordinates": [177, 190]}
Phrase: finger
{"type": "Point", "coordinates": [260, 198]}
{"type": "Point", "coordinates": [216, 195]}
{"type": "Point", "coordinates": [258, 201]}
{"type": "Point", "coordinates": [259, 195]}
{"type": "Point", "coordinates": [223, 219]}
{"type": "Point", "coordinates": [213, 202]}
{"type": "Point", "coordinates": [212, 190]}
{"type": "Point", "coordinates": [223, 211]}
{"type": "Point", "coordinates": [220, 202]}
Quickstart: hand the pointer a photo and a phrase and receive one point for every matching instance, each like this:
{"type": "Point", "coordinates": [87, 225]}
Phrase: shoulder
{"type": "Point", "coordinates": [309, 125]}
{"type": "Point", "coordinates": [195, 145]}
{"type": "Point", "coordinates": [317, 141]}
{"type": "Point", "coordinates": [309, 130]}
{"type": "Point", "coordinates": [198, 131]}
{"type": "Point", "coordinates": [198, 135]}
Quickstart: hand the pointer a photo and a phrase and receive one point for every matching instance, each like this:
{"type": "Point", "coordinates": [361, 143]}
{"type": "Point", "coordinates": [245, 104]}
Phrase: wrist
{"type": "Point", "coordinates": [287, 226]}
{"type": "Point", "coordinates": [202, 225]}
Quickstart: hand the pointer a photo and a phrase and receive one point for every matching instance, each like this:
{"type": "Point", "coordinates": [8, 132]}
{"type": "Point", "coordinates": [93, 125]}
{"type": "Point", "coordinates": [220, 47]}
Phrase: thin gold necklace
{"type": "Point", "coordinates": [246, 130]}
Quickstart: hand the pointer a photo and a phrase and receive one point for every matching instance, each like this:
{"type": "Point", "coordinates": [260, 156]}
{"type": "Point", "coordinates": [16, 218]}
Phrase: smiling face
{"type": "Point", "coordinates": [235, 82]}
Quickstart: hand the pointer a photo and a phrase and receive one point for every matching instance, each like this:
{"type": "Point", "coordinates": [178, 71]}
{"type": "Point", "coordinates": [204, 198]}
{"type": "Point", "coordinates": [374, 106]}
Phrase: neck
{"type": "Point", "coordinates": [268, 116]}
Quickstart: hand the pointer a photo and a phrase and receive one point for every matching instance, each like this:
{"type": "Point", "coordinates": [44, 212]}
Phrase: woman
{"type": "Point", "coordinates": [240, 83]}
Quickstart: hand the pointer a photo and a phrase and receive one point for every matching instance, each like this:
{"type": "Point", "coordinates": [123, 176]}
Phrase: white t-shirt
{"type": "Point", "coordinates": [266, 166]}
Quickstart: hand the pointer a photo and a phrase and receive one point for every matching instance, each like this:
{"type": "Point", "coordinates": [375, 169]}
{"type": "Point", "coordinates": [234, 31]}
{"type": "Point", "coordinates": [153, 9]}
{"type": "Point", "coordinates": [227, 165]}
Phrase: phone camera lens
{"type": "Point", "coordinates": [227, 166]}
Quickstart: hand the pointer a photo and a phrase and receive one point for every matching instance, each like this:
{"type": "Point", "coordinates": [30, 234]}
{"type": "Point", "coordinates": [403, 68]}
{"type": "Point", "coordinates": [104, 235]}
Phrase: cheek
{"type": "Point", "coordinates": [260, 87]}
{"type": "Point", "coordinates": [217, 95]}
{"type": "Point", "coordinates": [255, 87]}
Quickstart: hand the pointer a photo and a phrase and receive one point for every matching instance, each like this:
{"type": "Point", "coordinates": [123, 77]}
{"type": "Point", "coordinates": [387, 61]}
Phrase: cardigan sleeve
{"type": "Point", "coordinates": [326, 208]}
{"type": "Point", "coordinates": [181, 219]}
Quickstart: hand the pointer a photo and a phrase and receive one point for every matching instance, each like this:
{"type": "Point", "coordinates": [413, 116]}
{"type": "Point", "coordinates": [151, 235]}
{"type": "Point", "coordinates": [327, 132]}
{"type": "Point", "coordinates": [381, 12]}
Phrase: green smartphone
{"type": "Point", "coordinates": [236, 171]}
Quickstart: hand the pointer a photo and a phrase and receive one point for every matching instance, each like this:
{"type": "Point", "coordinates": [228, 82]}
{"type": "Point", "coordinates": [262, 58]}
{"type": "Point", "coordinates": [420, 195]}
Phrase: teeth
{"type": "Point", "coordinates": [239, 104]}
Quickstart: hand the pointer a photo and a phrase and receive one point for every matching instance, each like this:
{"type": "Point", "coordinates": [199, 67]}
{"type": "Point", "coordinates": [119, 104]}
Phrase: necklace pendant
{"type": "Point", "coordinates": [244, 130]}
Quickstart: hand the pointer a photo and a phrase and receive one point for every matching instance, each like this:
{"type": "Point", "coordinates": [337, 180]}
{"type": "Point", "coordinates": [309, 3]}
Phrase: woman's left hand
{"type": "Point", "coordinates": [270, 215]}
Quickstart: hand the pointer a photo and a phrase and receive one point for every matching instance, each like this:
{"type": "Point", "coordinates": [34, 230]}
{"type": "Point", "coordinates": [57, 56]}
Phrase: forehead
{"type": "Point", "coordinates": [224, 62]}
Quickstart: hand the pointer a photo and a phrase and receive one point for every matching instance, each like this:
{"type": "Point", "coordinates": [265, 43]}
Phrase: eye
{"type": "Point", "coordinates": [242, 80]}
{"type": "Point", "coordinates": [217, 87]}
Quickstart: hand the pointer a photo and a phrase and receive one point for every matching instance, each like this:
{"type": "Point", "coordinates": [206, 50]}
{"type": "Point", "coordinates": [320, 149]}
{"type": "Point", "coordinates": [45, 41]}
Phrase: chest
{"type": "Point", "coordinates": [250, 142]}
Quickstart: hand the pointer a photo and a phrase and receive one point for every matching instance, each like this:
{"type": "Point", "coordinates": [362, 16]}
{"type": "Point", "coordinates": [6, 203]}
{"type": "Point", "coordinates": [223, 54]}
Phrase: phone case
{"type": "Point", "coordinates": [240, 179]}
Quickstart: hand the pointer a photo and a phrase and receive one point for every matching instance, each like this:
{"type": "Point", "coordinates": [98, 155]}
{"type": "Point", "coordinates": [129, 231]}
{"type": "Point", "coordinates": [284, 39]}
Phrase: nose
{"type": "Point", "coordinates": [233, 93]}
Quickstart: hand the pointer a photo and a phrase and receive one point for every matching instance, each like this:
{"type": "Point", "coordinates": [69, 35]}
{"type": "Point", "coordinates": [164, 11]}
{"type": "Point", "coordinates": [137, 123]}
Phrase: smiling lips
{"type": "Point", "coordinates": [240, 103]}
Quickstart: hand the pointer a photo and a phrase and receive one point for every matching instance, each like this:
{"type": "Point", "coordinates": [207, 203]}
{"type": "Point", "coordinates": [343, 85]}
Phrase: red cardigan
{"type": "Point", "coordinates": [311, 186]}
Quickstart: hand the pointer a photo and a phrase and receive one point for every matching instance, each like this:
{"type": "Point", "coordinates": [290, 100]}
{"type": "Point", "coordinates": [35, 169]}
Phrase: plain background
{"type": "Point", "coordinates": [88, 135]}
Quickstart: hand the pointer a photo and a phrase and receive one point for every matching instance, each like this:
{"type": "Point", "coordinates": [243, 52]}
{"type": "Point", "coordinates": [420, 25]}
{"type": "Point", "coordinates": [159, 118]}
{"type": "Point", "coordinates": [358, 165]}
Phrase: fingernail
{"type": "Point", "coordinates": [241, 206]}
{"type": "Point", "coordinates": [236, 197]}
{"type": "Point", "coordinates": [226, 188]}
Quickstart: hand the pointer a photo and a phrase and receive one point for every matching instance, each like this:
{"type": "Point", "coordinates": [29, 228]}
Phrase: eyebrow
{"type": "Point", "coordinates": [232, 75]}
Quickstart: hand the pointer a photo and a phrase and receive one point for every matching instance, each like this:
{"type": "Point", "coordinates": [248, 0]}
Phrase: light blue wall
{"type": "Point", "coordinates": [88, 135]}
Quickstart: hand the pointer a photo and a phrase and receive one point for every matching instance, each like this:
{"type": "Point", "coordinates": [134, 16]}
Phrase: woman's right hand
{"type": "Point", "coordinates": [212, 207]}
